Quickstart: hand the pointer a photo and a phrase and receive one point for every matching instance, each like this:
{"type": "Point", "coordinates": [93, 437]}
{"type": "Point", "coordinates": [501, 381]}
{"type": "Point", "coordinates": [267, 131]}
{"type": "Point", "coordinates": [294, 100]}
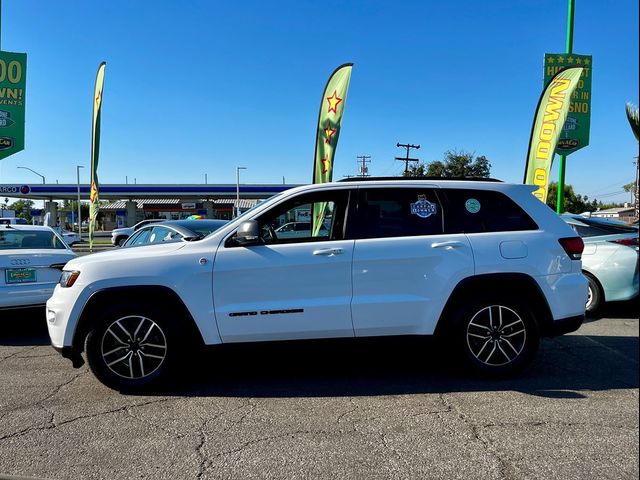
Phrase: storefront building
{"type": "Point", "coordinates": [124, 205]}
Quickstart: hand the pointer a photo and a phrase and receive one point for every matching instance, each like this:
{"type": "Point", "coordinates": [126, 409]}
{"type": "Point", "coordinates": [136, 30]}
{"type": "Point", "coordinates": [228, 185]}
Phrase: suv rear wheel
{"type": "Point", "coordinates": [497, 337]}
{"type": "Point", "coordinates": [132, 347]}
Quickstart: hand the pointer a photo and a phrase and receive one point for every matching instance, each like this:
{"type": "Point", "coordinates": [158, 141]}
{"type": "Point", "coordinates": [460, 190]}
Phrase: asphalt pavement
{"type": "Point", "coordinates": [338, 409]}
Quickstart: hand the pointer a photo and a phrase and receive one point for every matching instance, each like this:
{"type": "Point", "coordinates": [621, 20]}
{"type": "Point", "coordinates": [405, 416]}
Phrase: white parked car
{"type": "Point", "coordinates": [31, 258]}
{"type": "Point", "coordinates": [69, 238]}
{"type": "Point", "coordinates": [484, 266]}
{"type": "Point", "coordinates": [120, 235]}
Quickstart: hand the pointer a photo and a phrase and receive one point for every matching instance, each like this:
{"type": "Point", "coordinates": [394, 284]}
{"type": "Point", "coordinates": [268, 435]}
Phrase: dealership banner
{"type": "Point", "coordinates": [94, 196]}
{"type": "Point", "coordinates": [332, 106]}
{"type": "Point", "coordinates": [13, 84]}
{"type": "Point", "coordinates": [575, 132]}
{"type": "Point", "coordinates": [551, 114]}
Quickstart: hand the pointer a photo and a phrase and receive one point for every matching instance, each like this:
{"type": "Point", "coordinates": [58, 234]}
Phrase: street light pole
{"type": "Point", "coordinates": [78, 167]}
{"type": "Point", "coordinates": [41, 176]}
{"type": "Point", "coordinates": [238, 190]}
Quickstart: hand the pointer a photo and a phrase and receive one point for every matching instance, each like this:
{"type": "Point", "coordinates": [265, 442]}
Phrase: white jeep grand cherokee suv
{"type": "Point", "coordinates": [482, 264]}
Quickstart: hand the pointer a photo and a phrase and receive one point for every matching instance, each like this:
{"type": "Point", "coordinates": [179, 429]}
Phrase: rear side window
{"type": "Point", "coordinates": [398, 212]}
{"type": "Point", "coordinates": [476, 211]}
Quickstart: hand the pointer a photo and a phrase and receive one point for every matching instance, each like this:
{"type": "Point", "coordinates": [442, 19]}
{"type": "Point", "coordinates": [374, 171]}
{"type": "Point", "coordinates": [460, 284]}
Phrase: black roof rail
{"type": "Point", "coordinates": [466, 179]}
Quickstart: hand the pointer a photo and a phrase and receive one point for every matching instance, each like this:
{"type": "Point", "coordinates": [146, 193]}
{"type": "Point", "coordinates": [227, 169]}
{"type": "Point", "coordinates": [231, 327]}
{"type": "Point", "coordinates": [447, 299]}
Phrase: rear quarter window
{"type": "Point", "coordinates": [477, 211]}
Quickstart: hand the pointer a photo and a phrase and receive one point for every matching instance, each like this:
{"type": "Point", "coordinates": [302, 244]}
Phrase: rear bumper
{"type": "Point", "coordinates": [564, 325]}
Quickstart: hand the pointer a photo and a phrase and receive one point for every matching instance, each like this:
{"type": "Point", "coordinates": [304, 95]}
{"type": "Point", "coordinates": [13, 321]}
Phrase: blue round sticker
{"type": "Point", "coordinates": [472, 205]}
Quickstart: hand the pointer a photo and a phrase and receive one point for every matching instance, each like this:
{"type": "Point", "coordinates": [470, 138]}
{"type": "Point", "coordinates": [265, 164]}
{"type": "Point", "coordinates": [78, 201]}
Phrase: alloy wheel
{"type": "Point", "coordinates": [133, 347]}
{"type": "Point", "coordinates": [496, 335]}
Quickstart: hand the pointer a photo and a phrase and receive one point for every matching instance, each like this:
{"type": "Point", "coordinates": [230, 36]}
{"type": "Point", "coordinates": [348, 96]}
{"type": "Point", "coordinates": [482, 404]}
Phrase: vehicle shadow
{"type": "Point", "coordinates": [564, 367]}
{"type": "Point", "coordinates": [626, 310]}
{"type": "Point", "coordinates": [23, 327]}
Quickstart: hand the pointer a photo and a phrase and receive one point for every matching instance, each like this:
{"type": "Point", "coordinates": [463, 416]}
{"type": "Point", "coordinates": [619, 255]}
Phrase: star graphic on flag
{"type": "Point", "coordinates": [579, 61]}
{"type": "Point", "coordinates": [570, 59]}
{"type": "Point", "coordinates": [333, 100]}
{"type": "Point", "coordinates": [587, 61]}
{"type": "Point", "coordinates": [328, 133]}
{"type": "Point", "coordinates": [550, 59]}
{"type": "Point", "coordinates": [94, 193]}
{"type": "Point", "coordinates": [326, 165]}
{"type": "Point", "coordinates": [560, 59]}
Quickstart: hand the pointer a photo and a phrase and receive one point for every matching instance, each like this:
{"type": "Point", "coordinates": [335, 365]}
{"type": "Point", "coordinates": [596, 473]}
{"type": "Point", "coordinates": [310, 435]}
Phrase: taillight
{"type": "Point", "coordinates": [573, 246]}
{"type": "Point", "coordinates": [627, 242]}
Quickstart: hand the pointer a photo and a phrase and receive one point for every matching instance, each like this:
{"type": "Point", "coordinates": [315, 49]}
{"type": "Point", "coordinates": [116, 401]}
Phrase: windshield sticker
{"type": "Point", "coordinates": [472, 205]}
{"type": "Point", "coordinates": [423, 207]}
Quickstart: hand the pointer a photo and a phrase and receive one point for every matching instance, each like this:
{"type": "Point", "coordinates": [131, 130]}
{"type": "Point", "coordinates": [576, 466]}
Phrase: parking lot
{"type": "Point", "coordinates": [370, 409]}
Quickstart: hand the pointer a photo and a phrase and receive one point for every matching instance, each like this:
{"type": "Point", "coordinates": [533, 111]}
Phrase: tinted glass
{"type": "Point", "coordinates": [398, 212]}
{"type": "Point", "coordinates": [475, 211]}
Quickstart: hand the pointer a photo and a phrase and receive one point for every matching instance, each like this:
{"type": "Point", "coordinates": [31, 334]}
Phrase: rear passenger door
{"type": "Point", "coordinates": [404, 265]}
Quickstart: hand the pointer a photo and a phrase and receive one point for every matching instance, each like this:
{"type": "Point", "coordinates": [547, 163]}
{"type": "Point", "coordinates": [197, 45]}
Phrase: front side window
{"type": "Point", "coordinates": [140, 238]}
{"type": "Point", "coordinates": [295, 220]}
{"type": "Point", "coordinates": [398, 212]}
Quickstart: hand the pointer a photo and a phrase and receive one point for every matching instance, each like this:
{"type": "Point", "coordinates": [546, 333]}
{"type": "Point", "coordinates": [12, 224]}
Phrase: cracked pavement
{"type": "Point", "coordinates": [330, 410]}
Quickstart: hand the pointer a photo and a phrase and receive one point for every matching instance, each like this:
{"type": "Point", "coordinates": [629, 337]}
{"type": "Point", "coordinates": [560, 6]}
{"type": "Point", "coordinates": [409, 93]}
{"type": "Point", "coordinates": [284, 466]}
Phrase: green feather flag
{"type": "Point", "coordinates": [328, 131]}
{"type": "Point", "coordinates": [94, 196]}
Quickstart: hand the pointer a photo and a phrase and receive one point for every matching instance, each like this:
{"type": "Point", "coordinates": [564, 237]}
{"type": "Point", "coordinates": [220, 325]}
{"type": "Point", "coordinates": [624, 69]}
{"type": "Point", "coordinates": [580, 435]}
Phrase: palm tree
{"type": "Point", "coordinates": [634, 120]}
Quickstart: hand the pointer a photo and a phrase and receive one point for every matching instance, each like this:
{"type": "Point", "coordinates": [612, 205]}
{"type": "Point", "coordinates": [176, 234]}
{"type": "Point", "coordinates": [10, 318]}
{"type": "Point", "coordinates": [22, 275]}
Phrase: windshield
{"type": "Point", "coordinates": [29, 240]}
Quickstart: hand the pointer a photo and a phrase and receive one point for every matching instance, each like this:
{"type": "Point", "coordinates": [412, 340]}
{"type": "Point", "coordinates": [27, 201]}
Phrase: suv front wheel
{"type": "Point", "coordinates": [497, 338]}
{"type": "Point", "coordinates": [132, 347]}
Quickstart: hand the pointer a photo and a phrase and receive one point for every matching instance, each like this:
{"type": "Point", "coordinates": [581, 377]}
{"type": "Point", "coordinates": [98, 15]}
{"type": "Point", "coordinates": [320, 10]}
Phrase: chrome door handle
{"type": "Point", "coordinates": [448, 245]}
{"type": "Point", "coordinates": [329, 252]}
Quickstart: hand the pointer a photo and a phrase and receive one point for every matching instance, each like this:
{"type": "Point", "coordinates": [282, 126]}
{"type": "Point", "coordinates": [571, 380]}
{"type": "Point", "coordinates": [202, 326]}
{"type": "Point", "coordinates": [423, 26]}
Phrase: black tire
{"type": "Point", "coordinates": [495, 337]}
{"type": "Point", "coordinates": [120, 241]}
{"type": "Point", "coordinates": [133, 347]}
{"type": "Point", "coordinates": [595, 296]}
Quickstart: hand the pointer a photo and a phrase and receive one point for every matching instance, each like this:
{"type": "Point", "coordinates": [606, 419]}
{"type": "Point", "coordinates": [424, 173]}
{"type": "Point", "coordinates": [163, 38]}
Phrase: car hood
{"type": "Point", "coordinates": [126, 254]}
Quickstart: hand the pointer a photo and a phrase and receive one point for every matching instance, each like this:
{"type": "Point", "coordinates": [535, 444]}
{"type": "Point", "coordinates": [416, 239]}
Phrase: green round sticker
{"type": "Point", "coordinates": [472, 205]}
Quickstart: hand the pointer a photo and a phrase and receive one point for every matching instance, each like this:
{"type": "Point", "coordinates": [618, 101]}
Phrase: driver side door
{"type": "Point", "coordinates": [294, 287]}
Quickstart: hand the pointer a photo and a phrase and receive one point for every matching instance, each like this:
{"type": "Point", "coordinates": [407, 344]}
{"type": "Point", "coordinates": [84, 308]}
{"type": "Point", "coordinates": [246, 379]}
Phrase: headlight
{"type": "Point", "coordinates": [68, 278]}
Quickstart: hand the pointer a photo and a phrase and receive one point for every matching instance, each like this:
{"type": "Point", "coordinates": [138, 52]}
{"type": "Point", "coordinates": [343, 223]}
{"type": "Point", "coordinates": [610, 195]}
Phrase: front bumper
{"type": "Point", "coordinates": [69, 353]}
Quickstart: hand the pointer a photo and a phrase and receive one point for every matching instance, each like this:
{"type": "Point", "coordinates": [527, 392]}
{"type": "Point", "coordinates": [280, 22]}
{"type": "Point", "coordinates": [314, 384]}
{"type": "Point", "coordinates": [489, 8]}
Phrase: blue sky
{"type": "Point", "coordinates": [200, 87]}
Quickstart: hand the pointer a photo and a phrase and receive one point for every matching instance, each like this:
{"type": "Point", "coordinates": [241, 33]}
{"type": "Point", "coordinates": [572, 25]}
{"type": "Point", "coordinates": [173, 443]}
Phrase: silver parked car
{"type": "Point", "coordinates": [173, 231]}
{"type": "Point", "coordinates": [31, 259]}
{"type": "Point", "coordinates": [609, 260]}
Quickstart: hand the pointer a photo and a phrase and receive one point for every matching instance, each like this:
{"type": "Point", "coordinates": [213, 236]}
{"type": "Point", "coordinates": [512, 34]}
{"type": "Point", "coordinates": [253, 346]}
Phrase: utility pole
{"type": "Point", "coordinates": [406, 159]}
{"type": "Point", "coordinates": [363, 160]}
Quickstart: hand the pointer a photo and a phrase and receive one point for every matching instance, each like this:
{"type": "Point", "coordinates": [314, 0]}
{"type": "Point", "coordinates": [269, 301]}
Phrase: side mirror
{"type": "Point", "coordinates": [248, 233]}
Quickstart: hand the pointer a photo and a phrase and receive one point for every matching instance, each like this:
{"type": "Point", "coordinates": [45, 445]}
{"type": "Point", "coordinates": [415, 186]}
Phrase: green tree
{"type": "Point", "coordinates": [573, 202]}
{"type": "Point", "coordinates": [455, 164]}
{"type": "Point", "coordinates": [22, 208]}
